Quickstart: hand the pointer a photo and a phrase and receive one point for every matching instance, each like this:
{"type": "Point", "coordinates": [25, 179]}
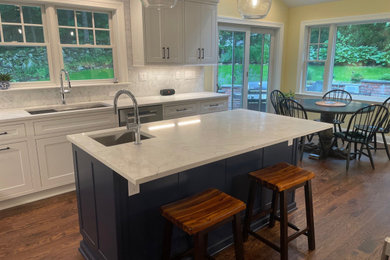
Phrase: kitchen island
{"type": "Point", "coordinates": [120, 188]}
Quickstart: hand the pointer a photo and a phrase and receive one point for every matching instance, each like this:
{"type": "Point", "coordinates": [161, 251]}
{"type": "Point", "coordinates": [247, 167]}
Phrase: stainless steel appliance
{"type": "Point", "coordinates": [147, 114]}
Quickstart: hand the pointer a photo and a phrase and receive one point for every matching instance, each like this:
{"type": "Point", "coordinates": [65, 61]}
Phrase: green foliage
{"type": "Point", "coordinates": [5, 77]}
{"type": "Point", "coordinates": [24, 63]}
{"type": "Point", "coordinates": [385, 76]}
{"type": "Point", "coordinates": [289, 94]}
{"type": "Point", "coordinates": [356, 77]}
{"type": "Point", "coordinates": [364, 45]}
{"type": "Point", "coordinates": [225, 73]}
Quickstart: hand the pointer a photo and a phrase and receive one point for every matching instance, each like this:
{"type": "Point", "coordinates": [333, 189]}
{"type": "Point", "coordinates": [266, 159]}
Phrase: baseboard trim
{"type": "Point", "coordinates": [36, 196]}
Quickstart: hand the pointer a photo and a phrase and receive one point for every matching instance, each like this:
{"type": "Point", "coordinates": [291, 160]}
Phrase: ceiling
{"type": "Point", "coordinates": [293, 3]}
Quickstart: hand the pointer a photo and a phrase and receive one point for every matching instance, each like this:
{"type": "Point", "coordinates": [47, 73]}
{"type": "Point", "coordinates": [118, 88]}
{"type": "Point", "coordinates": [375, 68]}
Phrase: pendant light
{"type": "Point", "coordinates": [254, 9]}
{"type": "Point", "coordinates": [159, 3]}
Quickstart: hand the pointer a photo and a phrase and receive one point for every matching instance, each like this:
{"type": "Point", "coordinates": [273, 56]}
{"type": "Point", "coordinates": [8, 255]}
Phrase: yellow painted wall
{"type": "Point", "coordinates": [320, 11]}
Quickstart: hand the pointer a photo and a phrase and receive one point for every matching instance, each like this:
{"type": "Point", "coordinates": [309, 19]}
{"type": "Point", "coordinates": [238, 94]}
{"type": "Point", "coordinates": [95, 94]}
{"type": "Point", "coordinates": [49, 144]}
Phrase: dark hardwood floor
{"type": "Point", "coordinates": [352, 218]}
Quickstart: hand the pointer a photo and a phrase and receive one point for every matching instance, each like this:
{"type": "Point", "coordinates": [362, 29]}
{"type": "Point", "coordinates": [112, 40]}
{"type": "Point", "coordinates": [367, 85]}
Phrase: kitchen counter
{"type": "Point", "coordinates": [121, 188]}
{"type": "Point", "coordinates": [19, 114]}
{"type": "Point", "coordinates": [181, 144]}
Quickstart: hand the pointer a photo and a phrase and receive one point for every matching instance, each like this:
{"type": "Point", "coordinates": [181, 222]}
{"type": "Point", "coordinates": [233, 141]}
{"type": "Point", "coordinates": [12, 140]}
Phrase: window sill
{"type": "Point", "coordinates": [75, 85]}
{"type": "Point", "coordinates": [373, 100]}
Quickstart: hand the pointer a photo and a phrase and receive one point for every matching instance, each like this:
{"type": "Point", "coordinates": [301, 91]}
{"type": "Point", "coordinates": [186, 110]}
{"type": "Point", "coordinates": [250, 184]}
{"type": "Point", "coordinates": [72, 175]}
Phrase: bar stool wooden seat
{"type": "Point", "coordinates": [281, 178]}
{"type": "Point", "coordinates": [199, 214]}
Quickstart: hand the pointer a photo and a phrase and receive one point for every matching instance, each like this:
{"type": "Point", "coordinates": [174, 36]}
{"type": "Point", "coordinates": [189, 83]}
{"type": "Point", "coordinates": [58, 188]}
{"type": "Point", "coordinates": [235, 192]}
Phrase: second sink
{"type": "Point", "coordinates": [64, 108]}
{"type": "Point", "coordinates": [118, 138]}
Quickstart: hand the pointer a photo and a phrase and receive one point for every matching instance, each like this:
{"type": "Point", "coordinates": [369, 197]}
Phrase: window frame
{"type": "Point", "coordinates": [329, 64]}
{"type": "Point", "coordinates": [54, 47]}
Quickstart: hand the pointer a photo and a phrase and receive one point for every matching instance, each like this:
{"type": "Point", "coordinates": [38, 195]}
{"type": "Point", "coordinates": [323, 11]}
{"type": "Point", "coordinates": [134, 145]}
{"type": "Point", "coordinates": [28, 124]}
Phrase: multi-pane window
{"type": "Point", "coordinates": [316, 58]}
{"type": "Point", "coordinates": [86, 44]}
{"type": "Point", "coordinates": [360, 60]}
{"type": "Point", "coordinates": [23, 48]}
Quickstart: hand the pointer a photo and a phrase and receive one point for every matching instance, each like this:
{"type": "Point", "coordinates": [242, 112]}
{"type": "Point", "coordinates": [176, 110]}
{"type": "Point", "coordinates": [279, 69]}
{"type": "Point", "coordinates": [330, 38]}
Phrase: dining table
{"type": "Point", "coordinates": [328, 110]}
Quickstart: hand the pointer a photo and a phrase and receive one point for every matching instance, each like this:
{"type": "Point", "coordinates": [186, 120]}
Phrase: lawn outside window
{"type": "Point", "coordinates": [353, 55]}
{"type": "Point", "coordinates": [38, 40]}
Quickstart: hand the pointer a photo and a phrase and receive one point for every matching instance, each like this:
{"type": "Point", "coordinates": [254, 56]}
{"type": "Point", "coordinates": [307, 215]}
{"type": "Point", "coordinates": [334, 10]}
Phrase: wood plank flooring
{"type": "Point", "coordinates": [352, 218]}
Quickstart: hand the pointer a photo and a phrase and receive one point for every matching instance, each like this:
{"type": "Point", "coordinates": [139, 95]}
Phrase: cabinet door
{"type": "Point", "coordinates": [15, 174]}
{"type": "Point", "coordinates": [55, 161]}
{"type": "Point", "coordinates": [209, 34]}
{"type": "Point", "coordinates": [153, 35]}
{"type": "Point", "coordinates": [172, 33]}
{"type": "Point", "coordinates": [192, 32]}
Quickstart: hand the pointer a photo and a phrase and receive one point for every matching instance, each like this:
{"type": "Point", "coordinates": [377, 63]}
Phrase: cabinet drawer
{"type": "Point", "coordinates": [213, 106]}
{"type": "Point", "coordinates": [176, 111]}
{"type": "Point", "coordinates": [8, 132]}
{"type": "Point", "coordinates": [73, 124]}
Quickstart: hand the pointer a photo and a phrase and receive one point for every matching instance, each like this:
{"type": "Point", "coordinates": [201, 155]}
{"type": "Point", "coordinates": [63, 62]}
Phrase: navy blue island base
{"type": "Point", "coordinates": [115, 225]}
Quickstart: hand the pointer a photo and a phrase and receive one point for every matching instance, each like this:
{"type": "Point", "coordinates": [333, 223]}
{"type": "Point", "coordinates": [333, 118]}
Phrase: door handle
{"type": "Point", "coordinates": [3, 133]}
{"type": "Point", "coordinates": [4, 149]}
{"type": "Point", "coordinates": [203, 53]}
{"type": "Point", "coordinates": [163, 52]}
{"type": "Point", "coordinates": [168, 52]}
{"type": "Point", "coordinates": [199, 53]}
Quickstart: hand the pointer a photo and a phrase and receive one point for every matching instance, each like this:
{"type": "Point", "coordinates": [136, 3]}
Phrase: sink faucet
{"type": "Point", "coordinates": [62, 89]}
{"type": "Point", "coordinates": [135, 126]}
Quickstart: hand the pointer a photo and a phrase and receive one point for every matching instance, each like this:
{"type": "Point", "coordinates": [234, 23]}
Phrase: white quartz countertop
{"type": "Point", "coordinates": [9, 115]}
{"type": "Point", "coordinates": [185, 143]}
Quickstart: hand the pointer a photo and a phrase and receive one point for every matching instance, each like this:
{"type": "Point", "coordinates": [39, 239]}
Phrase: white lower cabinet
{"type": "Point", "coordinates": [15, 172]}
{"type": "Point", "coordinates": [55, 161]}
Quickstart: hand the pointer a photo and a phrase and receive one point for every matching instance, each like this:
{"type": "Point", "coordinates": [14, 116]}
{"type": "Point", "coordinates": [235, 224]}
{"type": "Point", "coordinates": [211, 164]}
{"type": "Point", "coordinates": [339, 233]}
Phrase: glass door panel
{"type": "Point", "coordinates": [231, 66]}
{"type": "Point", "coordinates": [258, 73]}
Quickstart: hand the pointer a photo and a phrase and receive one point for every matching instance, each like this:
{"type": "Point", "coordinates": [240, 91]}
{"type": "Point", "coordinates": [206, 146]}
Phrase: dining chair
{"type": "Point", "coordinates": [276, 97]}
{"type": "Point", "coordinates": [385, 129]}
{"type": "Point", "coordinates": [338, 95]}
{"type": "Point", "coordinates": [291, 108]}
{"type": "Point", "coordinates": [362, 127]}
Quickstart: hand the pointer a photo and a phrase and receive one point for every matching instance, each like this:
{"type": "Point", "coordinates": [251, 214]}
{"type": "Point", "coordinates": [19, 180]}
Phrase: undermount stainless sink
{"type": "Point", "coordinates": [119, 138]}
{"type": "Point", "coordinates": [64, 108]}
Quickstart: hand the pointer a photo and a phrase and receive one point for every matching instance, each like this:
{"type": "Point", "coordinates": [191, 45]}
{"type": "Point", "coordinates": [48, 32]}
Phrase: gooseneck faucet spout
{"type": "Point", "coordinates": [134, 126]}
{"type": "Point", "coordinates": [63, 91]}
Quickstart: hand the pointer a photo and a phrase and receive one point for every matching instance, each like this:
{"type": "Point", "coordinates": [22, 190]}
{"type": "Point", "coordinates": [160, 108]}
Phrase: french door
{"type": "Point", "coordinates": [244, 67]}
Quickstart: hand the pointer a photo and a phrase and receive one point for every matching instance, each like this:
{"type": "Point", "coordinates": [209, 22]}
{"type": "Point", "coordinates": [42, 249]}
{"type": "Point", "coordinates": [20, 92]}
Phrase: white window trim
{"type": "Point", "coordinates": [118, 37]}
{"type": "Point", "coordinates": [332, 22]}
{"type": "Point", "coordinates": [276, 49]}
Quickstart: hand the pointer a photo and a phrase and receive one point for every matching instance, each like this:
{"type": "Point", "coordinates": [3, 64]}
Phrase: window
{"type": "Point", "coordinates": [357, 59]}
{"type": "Point", "coordinates": [23, 47]}
{"type": "Point", "coordinates": [36, 41]}
{"type": "Point", "coordinates": [316, 58]}
{"type": "Point", "coordinates": [86, 44]}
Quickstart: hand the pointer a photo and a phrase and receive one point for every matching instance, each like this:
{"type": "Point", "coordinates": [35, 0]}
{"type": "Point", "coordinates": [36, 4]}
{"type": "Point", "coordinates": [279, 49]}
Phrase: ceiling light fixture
{"type": "Point", "coordinates": [159, 3]}
{"type": "Point", "coordinates": [254, 9]}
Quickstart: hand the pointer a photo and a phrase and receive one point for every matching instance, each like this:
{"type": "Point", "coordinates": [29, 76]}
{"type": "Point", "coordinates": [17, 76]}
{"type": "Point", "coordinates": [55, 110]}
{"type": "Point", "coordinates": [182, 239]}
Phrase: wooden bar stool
{"type": "Point", "coordinates": [281, 178]}
{"type": "Point", "coordinates": [199, 214]}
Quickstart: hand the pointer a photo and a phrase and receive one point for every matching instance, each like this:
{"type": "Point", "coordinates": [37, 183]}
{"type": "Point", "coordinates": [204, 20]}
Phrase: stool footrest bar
{"type": "Point", "coordinates": [297, 234]}
{"type": "Point", "coordinates": [265, 241]}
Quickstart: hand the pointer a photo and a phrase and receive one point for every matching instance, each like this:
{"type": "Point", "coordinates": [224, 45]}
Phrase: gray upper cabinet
{"type": "Point", "coordinates": [183, 35]}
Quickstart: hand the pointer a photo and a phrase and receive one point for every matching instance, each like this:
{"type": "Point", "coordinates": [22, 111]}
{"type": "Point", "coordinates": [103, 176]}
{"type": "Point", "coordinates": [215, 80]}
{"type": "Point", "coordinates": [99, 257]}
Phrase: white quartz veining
{"type": "Point", "coordinates": [9, 115]}
{"type": "Point", "coordinates": [185, 143]}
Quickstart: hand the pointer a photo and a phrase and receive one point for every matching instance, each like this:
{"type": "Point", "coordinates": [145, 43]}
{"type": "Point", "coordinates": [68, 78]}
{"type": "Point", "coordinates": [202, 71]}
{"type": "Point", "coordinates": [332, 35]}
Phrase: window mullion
{"type": "Point", "coordinates": [329, 63]}
{"type": "Point", "coordinates": [54, 42]}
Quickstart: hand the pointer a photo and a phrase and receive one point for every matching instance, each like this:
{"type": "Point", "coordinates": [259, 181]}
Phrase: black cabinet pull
{"type": "Point", "coordinates": [4, 149]}
{"type": "Point", "coordinates": [3, 133]}
{"type": "Point", "coordinates": [199, 53]}
{"type": "Point", "coordinates": [203, 53]}
{"type": "Point", "coordinates": [168, 52]}
{"type": "Point", "coordinates": [163, 52]}
{"type": "Point", "coordinates": [181, 110]}
{"type": "Point", "coordinates": [214, 105]}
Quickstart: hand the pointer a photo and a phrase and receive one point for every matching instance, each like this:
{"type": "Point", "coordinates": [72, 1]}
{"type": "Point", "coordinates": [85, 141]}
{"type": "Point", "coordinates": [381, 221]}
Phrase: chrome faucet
{"type": "Point", "coordinates": [63, 91]}
{"type": "Point", "coordinates": [135, 126]}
